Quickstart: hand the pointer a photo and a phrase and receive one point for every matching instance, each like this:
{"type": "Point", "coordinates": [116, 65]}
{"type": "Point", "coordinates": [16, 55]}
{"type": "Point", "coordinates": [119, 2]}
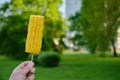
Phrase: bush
{"type": "Point", "coordinates": [48, 59]}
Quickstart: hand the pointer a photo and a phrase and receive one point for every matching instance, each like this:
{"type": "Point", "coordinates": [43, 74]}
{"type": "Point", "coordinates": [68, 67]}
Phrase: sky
{"type": "Point", "coordinates": [61, 9]}
{"type": "Point", "coordinates": [2, 1]}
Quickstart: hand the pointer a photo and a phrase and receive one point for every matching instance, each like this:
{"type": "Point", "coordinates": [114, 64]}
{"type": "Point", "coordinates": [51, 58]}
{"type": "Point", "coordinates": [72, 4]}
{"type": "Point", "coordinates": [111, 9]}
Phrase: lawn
{"type": "Point", "coordinates": [72, 67]}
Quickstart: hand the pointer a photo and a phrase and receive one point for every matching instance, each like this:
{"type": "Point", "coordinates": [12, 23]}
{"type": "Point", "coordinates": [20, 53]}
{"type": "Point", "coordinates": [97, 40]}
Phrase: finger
{"type": "Point", "coordinates": [31, 77]}
{"type": "Point", "coordinates": [32, 71]}
{"type": "Point", "coordinates": [28, 67]}
{"type": "Point", "coordinates": [22, 65]}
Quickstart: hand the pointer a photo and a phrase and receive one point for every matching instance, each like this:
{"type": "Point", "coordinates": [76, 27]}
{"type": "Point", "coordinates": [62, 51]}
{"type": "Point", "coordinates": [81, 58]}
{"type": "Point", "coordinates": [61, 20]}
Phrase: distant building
{"type": "Point", "coordinates": [70, 7]}
{"type": "Point", "coordinates": [118, 42]}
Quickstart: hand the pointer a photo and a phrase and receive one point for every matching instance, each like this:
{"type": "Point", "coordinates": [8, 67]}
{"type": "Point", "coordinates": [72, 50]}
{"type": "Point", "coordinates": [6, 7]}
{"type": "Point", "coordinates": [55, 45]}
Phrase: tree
{"type": "Point", "coordinates": [111, 22]}
{"type": "Point", "coordinates": [88, 23]}
{"type": "Point", "coordinates": [75, 26]}
{"type": "Point", "coordinates": [99, 22]}
{"type": "Point", "coordinates": [14, 21]}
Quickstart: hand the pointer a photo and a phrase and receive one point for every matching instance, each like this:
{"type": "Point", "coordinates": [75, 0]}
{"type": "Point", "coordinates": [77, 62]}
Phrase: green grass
{"type": "Point", "coordinates": [72, 67]}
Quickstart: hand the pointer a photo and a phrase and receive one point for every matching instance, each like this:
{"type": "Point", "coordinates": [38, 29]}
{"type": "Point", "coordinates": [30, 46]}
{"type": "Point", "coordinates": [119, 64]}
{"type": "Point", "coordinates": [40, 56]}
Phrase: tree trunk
{"type": "Point", "coordinates": [93, 49]}
{"type": "Point", "coordinates": [114, 49]}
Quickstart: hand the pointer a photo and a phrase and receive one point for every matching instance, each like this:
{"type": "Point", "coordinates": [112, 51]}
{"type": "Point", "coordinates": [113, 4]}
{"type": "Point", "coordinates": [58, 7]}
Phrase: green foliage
{"type": "Point", "coordinates": [14, 21]}
{"type": "Point", "coordinates": [78, 39]}
{"type": "Point", "coordinates": [75, 26]}
{"type": "Point", "coordinates": [75, 22]}
{"type": "Point", "coordinates": [12, 37]}
{"type": "Point", "coordinates": [99, 21]}
{"type": "Point", "coordinates": [92, 19]}
{"type": "Point", "coordinates": [49, 59]}
{"type": "Point", "coordinates": [101, 17]}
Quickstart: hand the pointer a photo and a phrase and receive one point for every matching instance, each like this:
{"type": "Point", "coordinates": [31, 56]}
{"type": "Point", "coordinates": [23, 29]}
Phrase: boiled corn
{"type": "Point", "coordinates": [34, 36]}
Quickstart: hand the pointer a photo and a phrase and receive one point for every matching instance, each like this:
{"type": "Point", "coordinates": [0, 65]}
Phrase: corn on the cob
{"type": "Point", "coordinates": [34, 36]}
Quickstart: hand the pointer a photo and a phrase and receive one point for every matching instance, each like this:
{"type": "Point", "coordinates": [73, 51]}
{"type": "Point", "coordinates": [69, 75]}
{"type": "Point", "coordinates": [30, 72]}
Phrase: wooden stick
{"type": "Point", "coordinates": [28, 74]}
{"type": "Point", "coordinates": [32, 57]}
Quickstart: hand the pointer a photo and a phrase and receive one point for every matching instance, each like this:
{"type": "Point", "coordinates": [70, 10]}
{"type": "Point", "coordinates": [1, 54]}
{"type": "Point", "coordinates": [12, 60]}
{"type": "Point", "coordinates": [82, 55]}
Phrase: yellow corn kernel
{"type": "Point", "coordinates": [34, 36]}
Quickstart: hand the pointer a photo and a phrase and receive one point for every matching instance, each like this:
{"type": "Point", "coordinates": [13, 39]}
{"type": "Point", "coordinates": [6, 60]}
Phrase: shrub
{"type": "Point", "coordinates": [48, 59]}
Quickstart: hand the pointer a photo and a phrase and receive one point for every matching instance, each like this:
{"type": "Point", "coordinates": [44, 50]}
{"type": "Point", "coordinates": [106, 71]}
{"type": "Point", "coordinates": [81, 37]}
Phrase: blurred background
{"type": "Point", "coordinates": [81, 38]}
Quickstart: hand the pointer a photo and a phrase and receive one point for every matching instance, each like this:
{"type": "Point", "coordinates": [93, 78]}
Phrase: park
{"type": "Point", "coordinates": [82, 46]}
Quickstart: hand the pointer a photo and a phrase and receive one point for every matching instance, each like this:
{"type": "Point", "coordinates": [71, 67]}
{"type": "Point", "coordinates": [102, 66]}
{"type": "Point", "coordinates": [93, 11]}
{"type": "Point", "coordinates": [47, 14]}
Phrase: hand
{"type": "Point", "coordinates": [25, 71]}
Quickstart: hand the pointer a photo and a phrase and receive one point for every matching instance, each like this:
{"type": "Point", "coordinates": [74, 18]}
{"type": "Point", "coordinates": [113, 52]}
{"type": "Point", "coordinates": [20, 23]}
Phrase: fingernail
{"type": "Point", "coordinates": [30, 64]}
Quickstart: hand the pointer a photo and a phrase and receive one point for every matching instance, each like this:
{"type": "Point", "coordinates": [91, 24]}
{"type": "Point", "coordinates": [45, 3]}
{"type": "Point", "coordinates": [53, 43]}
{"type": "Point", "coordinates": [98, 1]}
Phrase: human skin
{"type": "Point", "coordinates": [24, 71]}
